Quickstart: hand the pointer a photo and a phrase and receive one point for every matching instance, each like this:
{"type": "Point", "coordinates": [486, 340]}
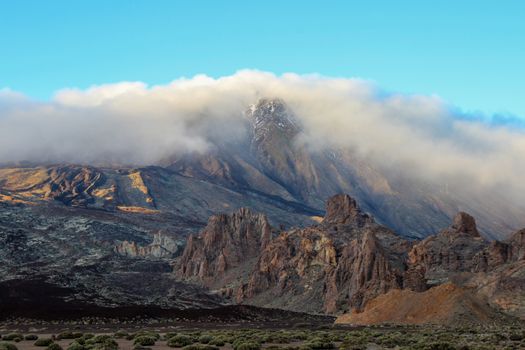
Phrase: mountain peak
{"type": "Point", "coordinates": [343, 209]}
{"type": "Point", "coordinates": [270, 115]}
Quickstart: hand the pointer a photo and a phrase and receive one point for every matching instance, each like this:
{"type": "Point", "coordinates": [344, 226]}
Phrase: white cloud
{"type": "Point", "coordinates": [131, 122]}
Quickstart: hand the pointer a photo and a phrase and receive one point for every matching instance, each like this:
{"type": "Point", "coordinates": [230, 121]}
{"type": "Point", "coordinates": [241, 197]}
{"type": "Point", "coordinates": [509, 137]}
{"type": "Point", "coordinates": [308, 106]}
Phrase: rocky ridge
{"type": "Point", "coordinates": [347, 261]}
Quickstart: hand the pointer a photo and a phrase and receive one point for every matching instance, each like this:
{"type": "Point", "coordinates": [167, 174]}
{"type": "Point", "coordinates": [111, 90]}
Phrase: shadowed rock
{"type": "Point", "coordinates": [343, 209]}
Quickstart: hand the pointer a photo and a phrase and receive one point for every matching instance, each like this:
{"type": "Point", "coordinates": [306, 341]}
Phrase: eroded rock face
{"type": "Point", "coordinates": [336, 265]}
{"type": "Point", "coordinates": [227, 242]}
{"type": "Point", "coordinates": [343, 209]}
{"type": "Point", "coordinates": [348, 260]}
{"type": "Point", "coordinates": [162, 246]}
{"type": "Point", "coordinates": [465, 223]}
{"type": "Point", "coordinates": [436, 259]}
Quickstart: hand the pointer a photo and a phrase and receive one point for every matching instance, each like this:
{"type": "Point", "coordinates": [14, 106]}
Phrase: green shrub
{"type": "Point", "coordinates": [101, 342]}
{"type": "Point", "coordinates": [200, 347]}
{"type": "Point", "coordinates": [105, 345]}
{"type": "Point", "coordinates": [7, 346]}
{"type": "Point", "coordinates": [205, 339]}
{"type": "Point", "coordinates": [169, 335]}
{"type": "Point", "coordinates": [179, 341]}
{"type": "Point", "coordinates": [248, 345]}
{"type": "Point", "coordinates": [120, 334]}
{"type": "Point", "coordinates": [346, 346]}
{"type": "Point", "coordinates": [76, 346]}
{"type": "Point", "coordinates": [54, 346]}
{"type": "Point", "coordinates": [44, 342]}
{"type": "Point", "coordinates": [31, 337]}
{"type": "Point", "coordinates": [69, 335]}
{"type": "Point", "coordinates": [154, 335]}
{"type": "Point", "coordinates": [320, 343]}
{"type": "Point", "coordinates": [101, 338]}
{"type": "Point", "coordinates": [13, 337]}
{"type": "Point", "coordinates": [218, 341]}
{"type": "Point", "coordinates": [440, 346]}
{"type": "Point", "coordinates": [144, 340]}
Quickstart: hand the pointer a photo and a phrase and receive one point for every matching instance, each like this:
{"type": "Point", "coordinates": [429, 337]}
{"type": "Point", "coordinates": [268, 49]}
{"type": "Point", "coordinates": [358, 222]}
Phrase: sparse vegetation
{"type": "Point", "coordinates": [69, 335]}
{"type": "Point", "coordinates": [7, 346]}
{"type": "Point", "coordinates": [180, 341]}
{"type": "Point", "coordinates": [75, 346]}
{"type": "Point", "coordinates": [16, 337]}
{"type": "Point", "coordinates": [144, 340]}
{"type": "Point", "coordinates": [378, 337]}
{"type": "Point", "coordinates": [54, 346]}
{"type": "Point", "coordinates": [200, 347]}
{"type": "Point", "coordinates": [43, 342]}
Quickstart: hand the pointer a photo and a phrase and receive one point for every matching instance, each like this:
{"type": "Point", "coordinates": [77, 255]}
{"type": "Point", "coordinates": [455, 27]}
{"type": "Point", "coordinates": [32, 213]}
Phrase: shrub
{"type": "Point", "coordinates": [69, 335]}
{"type": "Point", "coordinates": [120, 334]}
{"type": "Point", "coordinates": [13, 337]}
{"type": "Point", "coordinates": [205, 339]}
{"type": "Point", "coordinates": [169, 335]}
{"type": "Point", "coordinates": [144, 340]}
{"type": "Point", "coordinates": [105, 345]}
{"type": "Point", "coordinates": [43, 342]}
{"type": "Point", "coordinates": [218, 341]}
{"type": "Point", "coordinates": [319, 343]}
{"type": "Point", "coordinates": [31, 337]}
{"type": "Point", "coordinates": [54, 346]}
{"type": "Point", "coordinates": [153, 335]}
{"type": "Point", "coordinates": [7, 346]}
{"type": "Point", "coordinates": [248, 345]}
{"type": "Point", "coordinates": [346, 346]}
{"type": "Point", "coordinates": [440, 346]}
{"type": "Point", "coordinates": [101, 338]}
{"type": "Point", "coordinates": [179, 341]}
{"type": "Point", "coordinates": [101, 342]}
{"type": "Point", "coordinates": [200, 347]}
{"type": "Point", "coordinates": [516, 337]}
{"type": "Point", "coordinates": [76, 346]}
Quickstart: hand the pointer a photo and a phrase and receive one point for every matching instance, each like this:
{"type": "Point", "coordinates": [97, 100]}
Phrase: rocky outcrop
{"type": "Point", "coordinates": [227, 242]}
{"type": "Point", "coordinates": [336, 265]}
{"type": "Point", "coordinates": [347, 261]}
{"type": "Point", "coordinates": [343, 209]}
{"type": "Point", "coordinates": [436, 259]}
{"type": "Point", "coordinates": [446, 304]}
{"type": "Point", "coordinates": [162, 246]}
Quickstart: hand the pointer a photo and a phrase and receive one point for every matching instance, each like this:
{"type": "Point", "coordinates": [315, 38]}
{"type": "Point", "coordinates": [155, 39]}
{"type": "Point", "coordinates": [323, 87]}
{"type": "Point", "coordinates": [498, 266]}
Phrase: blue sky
{"type": "Point", "coordinates": [471, 53]}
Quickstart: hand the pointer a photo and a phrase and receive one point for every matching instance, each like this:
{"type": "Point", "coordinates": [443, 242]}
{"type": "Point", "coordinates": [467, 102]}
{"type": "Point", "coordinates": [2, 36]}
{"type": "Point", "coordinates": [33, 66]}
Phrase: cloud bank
{"type": "Point", "coordinates": [132, 123]}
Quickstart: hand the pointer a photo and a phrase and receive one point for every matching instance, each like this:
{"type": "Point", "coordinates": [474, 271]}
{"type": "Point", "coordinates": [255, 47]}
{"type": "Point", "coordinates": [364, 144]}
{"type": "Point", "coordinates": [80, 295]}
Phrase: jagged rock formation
{"type": "Point", "coordinates": [437, 258]}
{"type": "Point", "coordinates": [340, 263]}
{"type": "Point", "coordinates": [162, 246]}
{"type": "Point", "coordinates": [227, 242]}
{"type": "Point", "coordinates": [349, 263]}
{"type": "Point", "coordinates": [342, 209]}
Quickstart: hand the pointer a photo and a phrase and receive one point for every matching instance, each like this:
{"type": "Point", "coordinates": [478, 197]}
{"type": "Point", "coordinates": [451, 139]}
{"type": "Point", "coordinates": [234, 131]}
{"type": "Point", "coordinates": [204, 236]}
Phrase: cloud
{"type": "Point", "coordinates": [132, 123]}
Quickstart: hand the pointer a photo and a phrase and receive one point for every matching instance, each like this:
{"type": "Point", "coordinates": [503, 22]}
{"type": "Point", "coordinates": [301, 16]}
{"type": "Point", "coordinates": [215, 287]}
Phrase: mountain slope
{"type": "Point", "coordinates": [271, 158]}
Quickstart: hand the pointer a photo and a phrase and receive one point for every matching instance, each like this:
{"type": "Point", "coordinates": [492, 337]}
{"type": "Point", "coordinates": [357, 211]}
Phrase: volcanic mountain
{"type": "Point", "coordinates": [268, 168]}
{"type": "Point", "coordinates": [122, 235]}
